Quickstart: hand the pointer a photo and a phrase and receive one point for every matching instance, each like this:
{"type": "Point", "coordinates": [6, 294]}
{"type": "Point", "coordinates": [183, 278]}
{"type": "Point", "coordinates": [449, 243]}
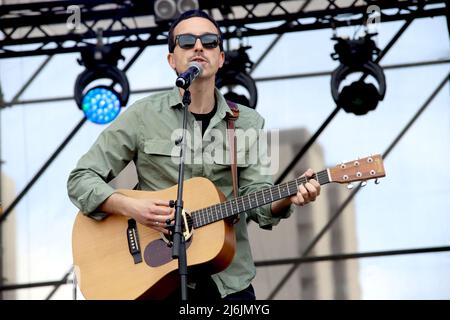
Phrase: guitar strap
{"type": "Point", "coordinates": [231, 118]}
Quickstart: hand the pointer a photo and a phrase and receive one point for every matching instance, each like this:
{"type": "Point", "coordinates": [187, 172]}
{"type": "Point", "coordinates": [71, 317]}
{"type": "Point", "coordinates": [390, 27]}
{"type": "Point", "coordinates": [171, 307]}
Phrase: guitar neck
{"type": "Point", "coordinates": [253, 200]}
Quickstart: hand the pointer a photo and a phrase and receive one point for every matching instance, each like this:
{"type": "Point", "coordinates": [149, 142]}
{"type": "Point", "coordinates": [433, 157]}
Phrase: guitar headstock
{"type": "Point", "coordinates": [358, 170]}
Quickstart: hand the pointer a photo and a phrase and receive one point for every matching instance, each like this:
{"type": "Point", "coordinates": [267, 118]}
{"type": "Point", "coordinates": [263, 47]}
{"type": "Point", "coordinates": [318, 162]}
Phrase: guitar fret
{"type": "Point", "coordinates": [200, 216]}
{"type": "Point", "coordinates": [224, 210]}
{"type": "Point", "coordinates": [202, 212]}
{"type": "Point", "coordinates": [294, 187]}
{"type": "Point", "coordinates": [207, 215]}
{"type": "Point", "coordinates": [266, 198]}
{"type": "Point", "coordinates": [287, 190]}
{"type": "Point", "coordinates": [209, 212]}
{"type": "Point", "coordinates": [203, 215]}
{"type": "Point", "coordinates": [195, 220]}
{"type": "Point", "coordinates": [262, 199]}
{"type": "Point", "coordinates": [217, 214]}
{"type": "Point", "coordinates": [281, 189]}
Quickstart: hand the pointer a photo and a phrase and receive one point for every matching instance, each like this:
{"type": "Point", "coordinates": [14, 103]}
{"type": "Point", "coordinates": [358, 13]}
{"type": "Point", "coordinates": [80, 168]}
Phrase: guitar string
{"type": "Point", "coordinates": [201, 216]}
{"type": "Point", "coordinates": [261, 196]}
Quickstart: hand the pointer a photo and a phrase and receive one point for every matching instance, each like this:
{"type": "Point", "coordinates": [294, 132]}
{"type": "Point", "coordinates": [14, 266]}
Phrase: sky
{"type": "Point", "coordinates": [409, 209]}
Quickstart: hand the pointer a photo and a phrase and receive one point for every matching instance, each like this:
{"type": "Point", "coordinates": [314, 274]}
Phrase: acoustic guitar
{"type": "Point", "coordinates": [118, 258]}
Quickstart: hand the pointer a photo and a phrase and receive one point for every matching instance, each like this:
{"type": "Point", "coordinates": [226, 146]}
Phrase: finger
{"type": "Point", "coordinates": [160, 202]}
{"type": "Point", "coordinates": [298, 200]}
{"type": "Point", "coordinates": [308, 173]}
{"type": "Point", "coordinates": [159, 219]}
{"type": "Point", "coordinates": [316, 185]}
{"type": "Point", "coordinates": [160, 210]}
{"type": "Point", "coordinates": [304, 192]}
{"type": "Point", "coordinates": [311, 191]}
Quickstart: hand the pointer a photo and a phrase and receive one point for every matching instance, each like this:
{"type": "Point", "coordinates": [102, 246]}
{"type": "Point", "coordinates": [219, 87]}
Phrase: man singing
{"type": "Point", "coordinates": [144, 134]}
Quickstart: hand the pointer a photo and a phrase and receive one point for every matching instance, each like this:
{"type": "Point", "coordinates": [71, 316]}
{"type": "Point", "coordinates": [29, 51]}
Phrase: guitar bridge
{"type": "Point", "coordinates": [133, 241]}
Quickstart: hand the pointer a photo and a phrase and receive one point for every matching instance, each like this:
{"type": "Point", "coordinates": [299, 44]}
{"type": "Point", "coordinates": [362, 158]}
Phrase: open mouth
{"type": "Point", "coordinates": [199, 60]}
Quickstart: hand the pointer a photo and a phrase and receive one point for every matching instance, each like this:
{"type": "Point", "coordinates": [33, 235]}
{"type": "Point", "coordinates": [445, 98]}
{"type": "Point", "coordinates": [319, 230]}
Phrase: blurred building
{"type": "Point", "coordinates": [289, 239]}
{"type": "Point", "coordinates": [8, 240]}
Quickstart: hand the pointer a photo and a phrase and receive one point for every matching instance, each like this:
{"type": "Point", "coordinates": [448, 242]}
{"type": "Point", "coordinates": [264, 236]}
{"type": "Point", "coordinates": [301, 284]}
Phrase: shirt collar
{"type": "Point", "coordinates": [175, 101]}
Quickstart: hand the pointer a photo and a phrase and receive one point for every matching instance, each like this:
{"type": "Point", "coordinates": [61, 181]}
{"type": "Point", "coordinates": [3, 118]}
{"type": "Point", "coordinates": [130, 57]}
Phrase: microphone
{"type": "Point", "coordinates": [185, 79]}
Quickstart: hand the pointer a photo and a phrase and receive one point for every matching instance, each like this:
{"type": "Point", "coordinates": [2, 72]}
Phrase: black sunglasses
{"type": "Point", "coordinates": [187, 41]}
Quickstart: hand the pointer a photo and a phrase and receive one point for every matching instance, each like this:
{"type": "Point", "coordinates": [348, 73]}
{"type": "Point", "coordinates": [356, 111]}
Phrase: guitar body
{"type": "Point", "coordinates": [105, 268]}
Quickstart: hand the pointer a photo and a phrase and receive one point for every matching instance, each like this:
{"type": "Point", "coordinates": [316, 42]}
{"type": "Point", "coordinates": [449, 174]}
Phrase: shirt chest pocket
{"type": "Point", "coordinates": [161, 153]}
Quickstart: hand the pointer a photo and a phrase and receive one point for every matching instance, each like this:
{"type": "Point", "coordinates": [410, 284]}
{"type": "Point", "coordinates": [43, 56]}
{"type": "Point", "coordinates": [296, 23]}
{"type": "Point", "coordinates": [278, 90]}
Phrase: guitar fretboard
{"type": "Point", "coordinates": [253, 200]}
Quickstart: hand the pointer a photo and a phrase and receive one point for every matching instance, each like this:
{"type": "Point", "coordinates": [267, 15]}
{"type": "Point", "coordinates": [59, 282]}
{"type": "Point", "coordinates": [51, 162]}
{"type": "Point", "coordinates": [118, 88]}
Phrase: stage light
{"type": "Point", "coordinates": [101, 103]}
{"type": "Point", "coordinates": [357, 55]}
{"type": "Point", "coordinates": [186, 5]}
{"type": "Point", "coordinates": [166, 10]}
{"type": "Point", "coordinates": [234, 76]}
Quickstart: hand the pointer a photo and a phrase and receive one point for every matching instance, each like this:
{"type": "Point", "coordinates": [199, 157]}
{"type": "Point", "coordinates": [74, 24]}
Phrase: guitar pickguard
{"type": "Point", "coordinates": [158, 253]}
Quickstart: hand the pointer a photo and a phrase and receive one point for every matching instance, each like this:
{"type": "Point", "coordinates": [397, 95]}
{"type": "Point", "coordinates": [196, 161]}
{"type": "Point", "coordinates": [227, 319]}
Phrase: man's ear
{"type": "Point", "coordinates": [171, 61]}
{"type": "Point", "coordinates": [221, 59]}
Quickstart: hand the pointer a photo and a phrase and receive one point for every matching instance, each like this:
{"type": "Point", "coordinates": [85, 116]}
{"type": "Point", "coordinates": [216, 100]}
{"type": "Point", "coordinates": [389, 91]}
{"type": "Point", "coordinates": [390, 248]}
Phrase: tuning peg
{"type": "Point", "coordinates": [363, 183]}
{"type": "Point", "coordinates": [350, 186]}
{"type": "Point", "coordinates": [377, 181]}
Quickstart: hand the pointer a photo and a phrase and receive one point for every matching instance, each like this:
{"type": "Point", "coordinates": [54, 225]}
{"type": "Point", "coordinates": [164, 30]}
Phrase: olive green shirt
{"type": "Point", "coordinates": [146, 132]}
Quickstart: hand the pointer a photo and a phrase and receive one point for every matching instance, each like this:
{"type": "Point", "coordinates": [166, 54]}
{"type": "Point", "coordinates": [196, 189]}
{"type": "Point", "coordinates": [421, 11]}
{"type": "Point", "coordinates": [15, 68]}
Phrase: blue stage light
{"type": "Point", "coordinates": [101, 105]}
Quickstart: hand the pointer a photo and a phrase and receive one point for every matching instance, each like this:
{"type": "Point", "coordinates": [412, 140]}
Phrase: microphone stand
{"type": "Point", "coordinates": [179, 242]}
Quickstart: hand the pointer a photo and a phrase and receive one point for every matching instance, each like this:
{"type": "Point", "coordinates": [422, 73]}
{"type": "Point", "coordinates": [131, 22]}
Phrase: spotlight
{"type": "Point", "coordinates": [235, 73]}
{"type": "Point", "coordinates": [166, 10]}
{"type": "Point", "coordinates": [101, 103]}
{"type": "Point", "coordinates": [357, 55]}
{"type": "Point", "coordinates": [186, 5]}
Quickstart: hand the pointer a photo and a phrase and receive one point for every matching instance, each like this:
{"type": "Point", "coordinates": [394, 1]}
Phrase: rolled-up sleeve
{"type": "Point", "coordinates": [256, 177]}
{"type": "Point", "coordinates": [115, 147]}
